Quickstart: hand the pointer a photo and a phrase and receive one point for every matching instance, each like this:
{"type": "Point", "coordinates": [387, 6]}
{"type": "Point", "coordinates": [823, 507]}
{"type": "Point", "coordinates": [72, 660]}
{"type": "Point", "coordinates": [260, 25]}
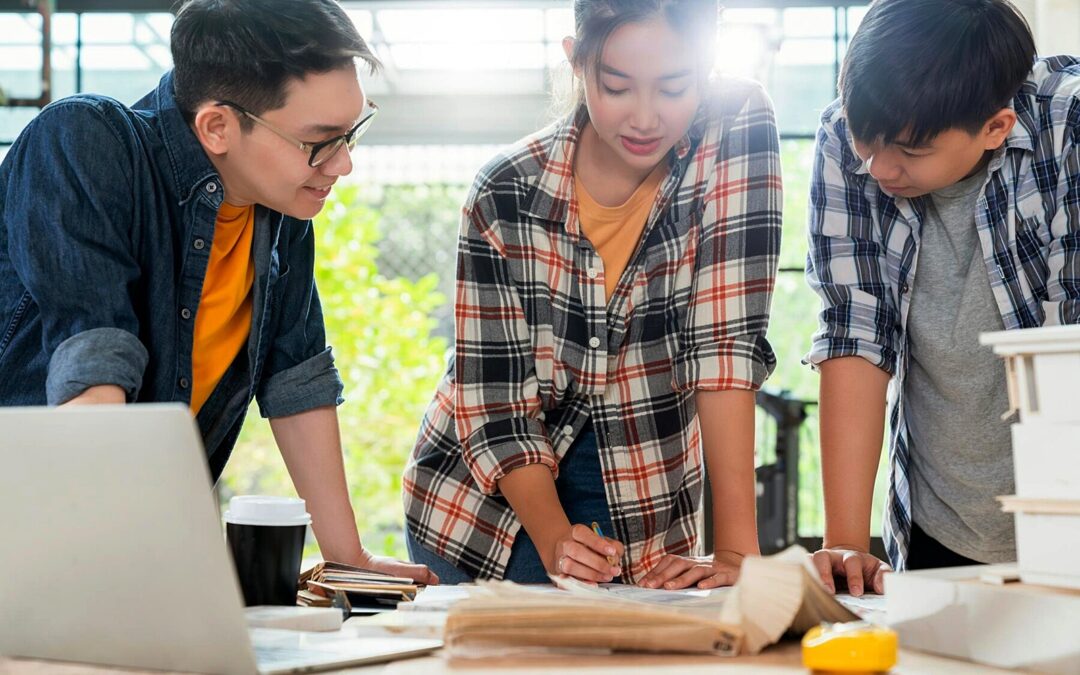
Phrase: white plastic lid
{"type": "Point", "coordinates": [264, 510]}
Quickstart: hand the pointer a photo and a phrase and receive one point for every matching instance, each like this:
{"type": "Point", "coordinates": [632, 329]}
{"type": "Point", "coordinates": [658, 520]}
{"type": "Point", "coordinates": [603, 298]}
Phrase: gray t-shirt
{"type": "Point", "coordinates": [955, 391]}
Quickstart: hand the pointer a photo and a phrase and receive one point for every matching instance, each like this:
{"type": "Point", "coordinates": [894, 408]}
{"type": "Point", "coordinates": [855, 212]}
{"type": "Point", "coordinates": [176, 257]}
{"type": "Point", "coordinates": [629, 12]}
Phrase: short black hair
{"type": "Point", "coordinates": [916, 68]}
{"type": "Point", "coordinates": [247, 51]}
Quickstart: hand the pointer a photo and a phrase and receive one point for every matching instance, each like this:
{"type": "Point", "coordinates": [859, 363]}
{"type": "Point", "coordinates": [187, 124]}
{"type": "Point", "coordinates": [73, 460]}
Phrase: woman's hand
{"type": "Point", "coordinates": [676, 571]}
{"type": "Point", "coordinates": [585, 555]}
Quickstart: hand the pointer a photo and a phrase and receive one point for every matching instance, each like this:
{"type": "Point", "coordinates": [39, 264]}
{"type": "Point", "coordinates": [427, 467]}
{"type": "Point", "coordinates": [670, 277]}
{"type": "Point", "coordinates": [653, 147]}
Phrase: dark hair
{"type": "Point", "coordinates": [596, 20]}
{"type": "Point", "coordinates": [247, 51]}
{"type": "Point", "coordinates": [916, 68]}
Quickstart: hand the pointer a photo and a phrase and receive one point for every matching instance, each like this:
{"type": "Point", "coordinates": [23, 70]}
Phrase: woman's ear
{"type": "Point", "coordinates": [568, 44]}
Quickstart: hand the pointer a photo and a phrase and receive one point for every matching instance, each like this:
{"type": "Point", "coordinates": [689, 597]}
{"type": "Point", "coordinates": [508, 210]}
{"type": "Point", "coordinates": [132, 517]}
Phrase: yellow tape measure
{"type": "Point", "coordinates": [849, 647]}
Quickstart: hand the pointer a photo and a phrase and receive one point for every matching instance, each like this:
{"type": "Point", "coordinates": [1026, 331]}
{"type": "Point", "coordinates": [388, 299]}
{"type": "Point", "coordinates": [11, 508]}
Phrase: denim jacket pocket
{"type": "Point", "coordinates": [277, 289]}
{"type": "Point", "coordinates": [16, 319]}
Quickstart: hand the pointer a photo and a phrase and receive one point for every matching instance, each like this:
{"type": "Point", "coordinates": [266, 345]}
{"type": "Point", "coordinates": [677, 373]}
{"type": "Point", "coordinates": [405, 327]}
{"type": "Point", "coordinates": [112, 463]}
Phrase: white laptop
{"type": "Point", "coordinates": [112, 552]}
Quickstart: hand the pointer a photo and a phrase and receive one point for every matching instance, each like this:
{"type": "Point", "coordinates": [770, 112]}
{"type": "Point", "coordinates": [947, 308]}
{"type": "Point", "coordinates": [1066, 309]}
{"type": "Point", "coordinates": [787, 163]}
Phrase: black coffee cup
{"type": "Point", "coordinates": [266, 538]}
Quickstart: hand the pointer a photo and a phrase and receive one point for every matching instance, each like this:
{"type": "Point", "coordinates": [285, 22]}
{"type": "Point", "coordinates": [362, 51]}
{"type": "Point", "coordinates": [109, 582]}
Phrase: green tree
{"type": "Point", "coordinates": [791, 326]}
{"type": "Point", "coordinates": [381, 331]}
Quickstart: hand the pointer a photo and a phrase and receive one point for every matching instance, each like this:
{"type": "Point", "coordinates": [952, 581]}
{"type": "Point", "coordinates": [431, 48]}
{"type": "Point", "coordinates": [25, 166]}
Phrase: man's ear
{"type": "Point", "coordinates": [997, 128]}
{"type": "Point", "coordinates": [215, 126]}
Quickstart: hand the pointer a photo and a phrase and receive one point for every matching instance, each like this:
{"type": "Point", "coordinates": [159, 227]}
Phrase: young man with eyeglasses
{"type": "Point", "coordinates": [164, 252]}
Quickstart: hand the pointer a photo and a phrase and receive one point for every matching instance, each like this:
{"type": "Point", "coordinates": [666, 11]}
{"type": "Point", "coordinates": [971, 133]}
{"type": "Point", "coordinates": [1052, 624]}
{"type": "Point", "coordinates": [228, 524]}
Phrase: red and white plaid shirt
{"type": "Point", "coordinates": [539, 349]}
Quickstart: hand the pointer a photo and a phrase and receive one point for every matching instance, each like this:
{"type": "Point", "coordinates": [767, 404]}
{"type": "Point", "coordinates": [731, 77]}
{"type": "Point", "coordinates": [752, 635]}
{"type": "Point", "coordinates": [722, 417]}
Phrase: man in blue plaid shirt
{"type": "Point", "coordinates": [945, 202]}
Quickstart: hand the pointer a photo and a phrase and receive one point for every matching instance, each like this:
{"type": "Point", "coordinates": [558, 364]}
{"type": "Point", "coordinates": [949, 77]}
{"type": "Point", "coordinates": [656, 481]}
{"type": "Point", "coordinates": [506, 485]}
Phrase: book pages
{"type": "Point", "coordinates": [774, 595]}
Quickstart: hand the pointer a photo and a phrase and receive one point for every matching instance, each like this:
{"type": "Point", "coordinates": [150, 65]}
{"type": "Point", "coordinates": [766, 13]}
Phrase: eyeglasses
{"type": "Point", "coordinates": [322, 152]}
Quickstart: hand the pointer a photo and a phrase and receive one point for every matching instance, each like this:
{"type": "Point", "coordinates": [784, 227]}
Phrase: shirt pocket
{"type": "Point", "coordinates": [1032, 248]}
{"type": "Point", "coordinates": [662, 283]}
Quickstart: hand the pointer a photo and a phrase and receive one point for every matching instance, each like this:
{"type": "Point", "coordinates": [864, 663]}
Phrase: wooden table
{"type": "Point", "coordinates": [780, 658]}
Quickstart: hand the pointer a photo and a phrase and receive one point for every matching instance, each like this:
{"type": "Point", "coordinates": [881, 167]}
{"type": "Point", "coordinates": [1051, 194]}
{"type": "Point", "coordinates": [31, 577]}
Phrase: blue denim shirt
{"type": "Point", "coordinates": [107, 217]}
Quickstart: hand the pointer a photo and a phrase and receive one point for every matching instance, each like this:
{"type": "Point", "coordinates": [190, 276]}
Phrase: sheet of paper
{"type": "Point", "coordinates": [869, 607]}
{"type": "Point", "coordinates": [436, 598]}
{"type": "Point", "coordinates": [441, 598]}
{"type": "Point", "coordinates": [688, 596]}
{"type": "Point", "coordinates": [693, 598]}
{"type": "Point", "coordinates": [426, 624]}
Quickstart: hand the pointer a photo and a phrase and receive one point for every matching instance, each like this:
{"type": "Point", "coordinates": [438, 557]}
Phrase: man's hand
{"type": "Point", "coordinates": [102, 394]}
{"type": "Point", "coordinates": [397, 568]}
{"type": "Point", "coordinates": [858, 568]}
{"type": "Point", "coordinates": [676, 571]}
{"type": "Point", "coordinates": [583, 554]}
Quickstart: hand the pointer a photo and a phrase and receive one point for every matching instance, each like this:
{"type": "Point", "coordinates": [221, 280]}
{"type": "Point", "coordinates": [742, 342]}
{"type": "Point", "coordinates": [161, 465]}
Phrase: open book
{"type": "Point", "coordinates": [353, 589]}
{"type": "Point", "coordinates": [774, 595]}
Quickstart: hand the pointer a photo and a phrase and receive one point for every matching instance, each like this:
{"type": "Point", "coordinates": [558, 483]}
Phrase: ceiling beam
{"type": "Point", "coordinates": [133, 6]}
{"type": "Point", "coordinates": [171, 5]}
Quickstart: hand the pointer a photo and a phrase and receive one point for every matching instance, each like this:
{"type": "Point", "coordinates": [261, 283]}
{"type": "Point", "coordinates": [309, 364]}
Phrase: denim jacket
{"type": "Point", "coordinates": [106, 222]}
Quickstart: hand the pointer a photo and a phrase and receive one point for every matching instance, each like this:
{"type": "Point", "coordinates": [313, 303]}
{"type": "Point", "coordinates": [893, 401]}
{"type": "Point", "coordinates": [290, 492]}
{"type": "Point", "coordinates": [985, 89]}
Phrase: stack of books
{"type": "Point", "coordinates": [353, 589]}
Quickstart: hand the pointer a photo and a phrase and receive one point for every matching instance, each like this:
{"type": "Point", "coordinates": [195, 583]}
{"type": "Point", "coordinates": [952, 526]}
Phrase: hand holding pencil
{"type": "Point", "coordinates": [584, 553]}
{"type": "Point", "coordinates": [611, 560]}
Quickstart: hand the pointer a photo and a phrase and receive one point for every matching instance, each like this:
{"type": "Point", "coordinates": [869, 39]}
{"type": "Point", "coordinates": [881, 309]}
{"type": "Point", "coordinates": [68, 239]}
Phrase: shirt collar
{"type": "Point", "coordinates": [552, 193]}
{"type": "Point", "coordinates": [191, 168]}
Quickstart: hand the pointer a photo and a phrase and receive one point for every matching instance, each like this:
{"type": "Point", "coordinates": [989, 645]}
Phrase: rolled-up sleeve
{"type": "Point", "coordinates": [299, 374]}
{"type": "Point", "coordinates": [847, 263]}
{"type": "Point", "coordinates": [72, 248]}
{"type": "Point", "coordinates": [497, 401]}
{"type": "Point", "coordinates": [94, 357]}
{"type": "Point", "coordinates": [723, 344]}
{"type": "Point", "coordinates": [314, 383]}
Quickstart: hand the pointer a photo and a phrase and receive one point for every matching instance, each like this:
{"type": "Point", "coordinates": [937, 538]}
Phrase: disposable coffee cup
{"type": "Point", "coordinates": [266, 538]}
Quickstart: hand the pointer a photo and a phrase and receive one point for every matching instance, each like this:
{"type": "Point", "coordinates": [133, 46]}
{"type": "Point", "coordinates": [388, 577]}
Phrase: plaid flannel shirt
{"type": "Point", "coordinates": [864, 247]}
{"type": "Point", "coordinates": [539, 350]}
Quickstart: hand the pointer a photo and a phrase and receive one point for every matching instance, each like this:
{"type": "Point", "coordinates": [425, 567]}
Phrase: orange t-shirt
{"type": "Point", "coordinates": [223, 320]}
{"type": "Point", "coordinates": [614, 231]}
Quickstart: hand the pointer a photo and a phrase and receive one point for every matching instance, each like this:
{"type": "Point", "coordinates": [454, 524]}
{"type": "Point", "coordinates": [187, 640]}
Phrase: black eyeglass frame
{"type": "Point", "coordinates": [347, 139]}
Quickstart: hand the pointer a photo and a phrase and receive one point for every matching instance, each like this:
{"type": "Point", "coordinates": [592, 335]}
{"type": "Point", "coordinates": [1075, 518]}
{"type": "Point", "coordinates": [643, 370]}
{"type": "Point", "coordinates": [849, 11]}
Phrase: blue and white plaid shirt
{"type": "Point", "coordinates": [864, 246]}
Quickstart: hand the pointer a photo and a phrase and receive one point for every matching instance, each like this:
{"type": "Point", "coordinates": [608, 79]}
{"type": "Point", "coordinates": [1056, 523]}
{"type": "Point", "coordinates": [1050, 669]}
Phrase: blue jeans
{"type": "Point", "coordinates": [580, 486]}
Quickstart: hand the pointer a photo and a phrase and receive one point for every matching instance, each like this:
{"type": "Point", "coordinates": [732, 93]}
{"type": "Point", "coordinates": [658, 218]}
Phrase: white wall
{"type": "Point", "coordinates": [1056, 24]}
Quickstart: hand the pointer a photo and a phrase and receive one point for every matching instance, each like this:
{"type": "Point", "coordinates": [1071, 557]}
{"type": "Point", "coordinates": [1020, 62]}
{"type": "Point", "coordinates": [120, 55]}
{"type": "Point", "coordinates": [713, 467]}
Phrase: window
{"type": "Point", "coordinates": [460, 80]}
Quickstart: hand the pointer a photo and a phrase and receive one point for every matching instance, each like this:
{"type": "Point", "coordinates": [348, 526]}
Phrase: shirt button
{"type": "Point", "coordinates": [593, 273]}
{"type": "Point", "coordinates": [903, 289]}
{"type": "Point", "coordinates": [594, 342]}
{"type": "Point", "coordinates": [199, 244]}
{"type": "Point", "coordinates": [185, 313]}
{"type": "Point", "coordinates": [211, 187]}
{"type": "Point", "coordinates": [568, 429]}
{"type": "Point", "coordinates": [184, 383]}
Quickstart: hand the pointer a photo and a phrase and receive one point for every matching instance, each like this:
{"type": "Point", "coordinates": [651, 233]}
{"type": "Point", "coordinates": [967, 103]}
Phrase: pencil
{"type": "Point", "coordinates": [611, 560]}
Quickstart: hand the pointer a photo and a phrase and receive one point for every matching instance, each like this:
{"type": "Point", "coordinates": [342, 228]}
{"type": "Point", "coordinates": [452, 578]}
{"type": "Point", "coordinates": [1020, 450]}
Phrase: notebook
{"type": "Point", "coordinates": [354, 589]}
